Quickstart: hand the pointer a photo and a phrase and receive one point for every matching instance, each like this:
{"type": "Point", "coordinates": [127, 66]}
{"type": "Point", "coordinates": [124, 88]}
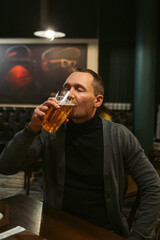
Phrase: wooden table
{"type": "Point", "coordinates": [51, 223]}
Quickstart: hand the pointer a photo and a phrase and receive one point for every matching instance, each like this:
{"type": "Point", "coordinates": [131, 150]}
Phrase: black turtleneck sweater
{"type": "Point", "coordinates": [84, 187]}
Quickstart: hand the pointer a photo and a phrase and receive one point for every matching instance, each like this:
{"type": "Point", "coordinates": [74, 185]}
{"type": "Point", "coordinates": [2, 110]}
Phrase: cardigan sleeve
{"type": "Point", "coordinates": [20, 152]}
{"type": "Point", "coordinates": [147, 180]}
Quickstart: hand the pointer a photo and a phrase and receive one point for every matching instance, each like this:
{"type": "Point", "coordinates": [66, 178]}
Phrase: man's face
{"type": "Point", "coordinates": [80, 85]}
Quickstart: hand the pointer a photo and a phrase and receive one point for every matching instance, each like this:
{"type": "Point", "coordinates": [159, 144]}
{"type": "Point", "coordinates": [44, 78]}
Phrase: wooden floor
{"type": "Point", "coordinates": [14, 184]}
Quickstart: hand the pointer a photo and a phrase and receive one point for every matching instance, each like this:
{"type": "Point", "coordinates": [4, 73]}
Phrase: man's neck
{"type": "Point", "coordinates": [83, 120]}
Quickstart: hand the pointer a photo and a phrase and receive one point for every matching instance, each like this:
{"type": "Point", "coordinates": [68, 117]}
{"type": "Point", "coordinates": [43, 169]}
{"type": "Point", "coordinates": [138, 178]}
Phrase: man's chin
{"type": "Point", "coordinates": [72, 116]}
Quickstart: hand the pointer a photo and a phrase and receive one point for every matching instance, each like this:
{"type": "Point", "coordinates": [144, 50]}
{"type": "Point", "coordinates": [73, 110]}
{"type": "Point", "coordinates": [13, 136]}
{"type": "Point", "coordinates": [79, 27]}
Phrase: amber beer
{"type": "Point", "coordinates": [55, 117]}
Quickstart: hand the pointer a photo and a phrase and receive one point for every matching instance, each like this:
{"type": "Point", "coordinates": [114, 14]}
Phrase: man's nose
{"type": "Point", "coordinates": [72, 93]}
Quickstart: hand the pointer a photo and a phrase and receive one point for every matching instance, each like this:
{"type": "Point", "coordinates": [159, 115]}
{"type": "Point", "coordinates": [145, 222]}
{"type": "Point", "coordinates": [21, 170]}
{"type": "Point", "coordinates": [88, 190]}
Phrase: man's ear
{"type": "Point", "coordinates": [98, 101]}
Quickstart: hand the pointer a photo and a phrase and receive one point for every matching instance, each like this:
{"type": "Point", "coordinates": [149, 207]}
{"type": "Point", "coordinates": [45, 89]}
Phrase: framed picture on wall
{"type": "Point", "coordinates": [31, 71]}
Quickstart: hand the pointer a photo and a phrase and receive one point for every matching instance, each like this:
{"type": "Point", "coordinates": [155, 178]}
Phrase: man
{"type": "Point", "coordinates": [86, 160]}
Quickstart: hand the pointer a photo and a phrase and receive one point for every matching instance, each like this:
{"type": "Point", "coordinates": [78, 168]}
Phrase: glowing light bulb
{"type": "Point", "coordinates": [50, 34]}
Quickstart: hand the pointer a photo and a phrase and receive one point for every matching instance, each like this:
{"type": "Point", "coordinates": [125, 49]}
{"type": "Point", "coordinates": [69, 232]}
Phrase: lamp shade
{"type": "Point", "coordinates": [44, 22]}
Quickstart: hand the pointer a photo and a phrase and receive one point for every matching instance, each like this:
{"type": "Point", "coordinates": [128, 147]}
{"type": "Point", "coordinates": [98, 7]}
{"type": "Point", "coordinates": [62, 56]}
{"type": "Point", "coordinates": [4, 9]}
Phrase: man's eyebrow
{"type": "Point", "coordinates": [79, 85]}
{"type": "Point", "coordinates": [76, 85]}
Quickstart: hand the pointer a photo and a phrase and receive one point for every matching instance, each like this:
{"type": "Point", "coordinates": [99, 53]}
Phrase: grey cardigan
{"type": "Point", "coordinates": [122, 153]}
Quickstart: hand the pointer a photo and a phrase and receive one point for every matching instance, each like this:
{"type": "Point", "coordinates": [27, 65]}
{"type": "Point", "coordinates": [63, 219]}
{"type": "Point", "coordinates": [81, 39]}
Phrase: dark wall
{"type": "Point", "coordinates": [117, 22]}
{"type": "Point", "coordinates": [158, 61]}
{"type": "Point", "coordinates": [18, 18]}
{"type": "Point", "coordinates": [78, 19]}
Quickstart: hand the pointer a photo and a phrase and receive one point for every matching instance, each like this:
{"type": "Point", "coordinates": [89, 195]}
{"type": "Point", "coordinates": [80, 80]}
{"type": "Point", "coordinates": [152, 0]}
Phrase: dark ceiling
{"type": "Point", "coordinates": [20, 18]}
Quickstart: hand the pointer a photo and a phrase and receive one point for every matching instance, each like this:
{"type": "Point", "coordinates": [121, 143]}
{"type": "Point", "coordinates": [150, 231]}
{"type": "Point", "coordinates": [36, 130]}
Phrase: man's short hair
{"type": "Point", "coordinates": [97, 80]}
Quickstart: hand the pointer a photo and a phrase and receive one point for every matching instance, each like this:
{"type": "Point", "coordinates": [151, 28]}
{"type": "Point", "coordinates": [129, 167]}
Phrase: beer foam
{"type": "Point", "coordinates": [1, 216]}
{"type": "Point", "coordinates": [66, 104]}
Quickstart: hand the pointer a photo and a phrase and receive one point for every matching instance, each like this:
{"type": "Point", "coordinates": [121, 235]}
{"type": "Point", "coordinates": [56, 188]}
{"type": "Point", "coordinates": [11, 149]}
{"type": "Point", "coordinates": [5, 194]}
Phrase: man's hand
{"type": "Point", "coordinates": [39, 113]}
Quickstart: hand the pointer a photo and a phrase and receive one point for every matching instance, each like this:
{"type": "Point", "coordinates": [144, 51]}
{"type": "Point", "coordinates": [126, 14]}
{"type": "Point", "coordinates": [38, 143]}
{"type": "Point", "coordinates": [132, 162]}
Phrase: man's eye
{"type": "Point", "coordinates": [80, 89]}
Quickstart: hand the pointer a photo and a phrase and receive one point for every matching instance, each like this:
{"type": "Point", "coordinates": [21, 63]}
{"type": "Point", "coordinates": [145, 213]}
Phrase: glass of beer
{"type": "Point", "coordinates": [56, 116]}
